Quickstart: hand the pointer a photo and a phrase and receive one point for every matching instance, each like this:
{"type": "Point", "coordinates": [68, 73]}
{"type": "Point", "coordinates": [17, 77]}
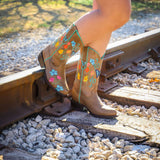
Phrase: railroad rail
{"type": "Point", "coordinates": [27, 92]}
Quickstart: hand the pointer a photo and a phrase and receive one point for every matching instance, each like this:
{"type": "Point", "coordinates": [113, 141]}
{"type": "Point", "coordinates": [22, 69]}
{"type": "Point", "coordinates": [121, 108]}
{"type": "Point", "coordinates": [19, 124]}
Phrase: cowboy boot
{"type": "Point", "coordinates": [55, 56]}
{"type": "Point", "coordinates": [84, 89]}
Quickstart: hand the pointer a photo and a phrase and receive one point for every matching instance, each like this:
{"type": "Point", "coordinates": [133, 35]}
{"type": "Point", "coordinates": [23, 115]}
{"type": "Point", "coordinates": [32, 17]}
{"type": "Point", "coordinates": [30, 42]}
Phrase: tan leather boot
{"type": "Point", "coordinates": [55, 56]}
{"type": "Point", "coordinates": [84, 89]}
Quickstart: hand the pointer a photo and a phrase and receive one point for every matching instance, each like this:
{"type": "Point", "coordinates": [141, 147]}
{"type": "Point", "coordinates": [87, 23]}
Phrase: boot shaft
{"type": "Point", "coordinates": [65, 46]}
{"type": "Point", "coordinates": [88, 72]}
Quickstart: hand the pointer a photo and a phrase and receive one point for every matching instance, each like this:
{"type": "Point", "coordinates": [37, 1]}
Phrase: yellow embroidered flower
{"type": "Point", "coordinates": [60, 51]}
{"type": "Point", "coordinates": [85, 78]}
{"type": "Point", "coordinates": [57, 44]}
{"type": "Point", "coordinates": [78, 76]}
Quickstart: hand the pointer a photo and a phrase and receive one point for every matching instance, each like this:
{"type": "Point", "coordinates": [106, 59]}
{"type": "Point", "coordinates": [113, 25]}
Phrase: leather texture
{"type": "Point", "coordinates": [84, 89]}
{"type": "Point", "coordinates": [56, 55]}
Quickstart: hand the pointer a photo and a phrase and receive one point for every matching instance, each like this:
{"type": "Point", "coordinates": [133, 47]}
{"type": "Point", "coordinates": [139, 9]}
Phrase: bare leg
{"type": "Point", "coordinates": [96, 26]}
{"type": "Point", "coordinates": [95, 6]}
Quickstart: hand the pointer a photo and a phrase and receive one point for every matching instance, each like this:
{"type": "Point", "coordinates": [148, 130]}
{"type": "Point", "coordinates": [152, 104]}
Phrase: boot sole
{"type": "Point", "coordinates": [81, 106]}
{"type": "Point", "coordinates": [42, 64]}
{"type": "Point", "coordinates": [41, 60]}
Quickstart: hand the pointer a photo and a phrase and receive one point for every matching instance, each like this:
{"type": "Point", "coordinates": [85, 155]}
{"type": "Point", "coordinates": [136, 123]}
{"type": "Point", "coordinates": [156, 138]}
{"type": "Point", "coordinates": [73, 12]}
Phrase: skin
{"type": "Point", "coordinates": [96, 27]}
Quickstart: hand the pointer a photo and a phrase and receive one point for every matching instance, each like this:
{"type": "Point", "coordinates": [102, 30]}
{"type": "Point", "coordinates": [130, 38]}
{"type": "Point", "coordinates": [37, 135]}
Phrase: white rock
{"type": "Point", "coordinates": [38, 118]}
{"type": "Point", "coordinates": [61, 156]}
{"type": "Point", "coordinates": [128, 148]}
{"type": "Point", "coordinates": [98, 135]}
{"type": "Point", "coordinates": [83, 135]}
{"type": "Point", "coordinates": [112, 157]}
{"type": "Point", "coordinates": [152, 152]}
{"type": "Point", "coordinates": [72, 128]}
{"type": "Point", "coordinates": [45, 122]}
{"type": "Point", "coordinates": [24, 131]}
{"type": "Point", "coordinates": [21, 125]}
{"type": "Point", "coordinates": [24, 145]}
{"type": "Point", "coordinates": [31, 138]}
{"type": "Point", "coordinates": [70, 139]}
{"type": "Point", "coordinates": [84, 157]}
{"type": "Point", "coordinates": [53, 125]}
{"type": "Point", "coordinates": [72, 144]}
{"type": "Point", "coordinates": [119, 144]}
{"type": "Point", "coordinates": [32, 130]}
{"type": "Point", "coordinates": [61, 137]}
{"type": "Point", "coordinates": [85, 150]}
{"type": "Point", "coordinates": [117, 152]}
{"type": "Point", "coordinates": [76, 134]}
{"type": "Point", "coordinates": [114, 140]}
{"type": "Point", "coordinates": [90, 135]}
{"type": "Point", "coordinates": [50, 131]}
{"type": "Point", "coordinates": [126, 157]}
{"type": "Point", "coordinates": [83, 143]}
{"type": "Point", "coordinates": [68, 154]}
{"type": "Point", "coordinates": [41, 138]}
{"type": "Point", "coordinates": [76, 149]}
{"type": "Point", "coordinates": [107, 153]}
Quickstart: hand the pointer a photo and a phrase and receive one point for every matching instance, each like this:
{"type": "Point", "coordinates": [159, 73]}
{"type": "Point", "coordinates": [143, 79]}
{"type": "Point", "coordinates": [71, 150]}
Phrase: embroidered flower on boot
{"type": "Point", "coordinates": [53, 72]}
{"type": "Point", "coordinates": [59, 88]}
{"type": "Point", "coordinates": [97, 73]}
{"type": "Point", "coordinates": [57, 44]}
{"type": "Point", "coordinates": [51, 79]}
{"type": "Point", "coordinates": [73, 43]}
{"type": "Point", "coordinates": [85, 79]}
{"type": "Point", "coordinates": [78, 76]}
{"type": "Point", "coordinates": [60, 51]}
{"type": "Point", "coordinates": [92, 61]}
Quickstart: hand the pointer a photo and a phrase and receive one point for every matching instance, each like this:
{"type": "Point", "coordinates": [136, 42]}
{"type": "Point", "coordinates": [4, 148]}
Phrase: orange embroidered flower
{"type": "Point", "coordinates": [62, 38]}
{"type": "Point", "coordinates": [68, 51]}
{"type": "Point", "coordinates": [65, 46]}
{"type": "Point", "coordinates": [60, 51]}
{"type": "Point", "coordinates": [57, 44]}
{"type": "Point", "coordinates": [87, 69]}
{"type": "Point", "coordinates": [85, 78]}
{"type": "Point", "coordinates": [79, 66]}
{"type": "Point", "coordinates": [68, 43]}
{"type": "Point", "coordinates": [78, 76]}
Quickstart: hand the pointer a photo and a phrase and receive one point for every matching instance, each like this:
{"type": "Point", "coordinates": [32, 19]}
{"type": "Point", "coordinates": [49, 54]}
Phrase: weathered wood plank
{"type": "Point", "coordinates": [133, 96]}
{"type": "Point", "coordinates": [151, 128]}
{"type": "Point", "coordinates": [124, 126]}
{"type": "Point", "coordinates": [17, 154]}
{"type": "Point", "coordinates": [109, 127]}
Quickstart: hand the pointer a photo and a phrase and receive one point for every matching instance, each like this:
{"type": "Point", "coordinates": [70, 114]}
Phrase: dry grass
{"type": "Point", "coordinates": [19, 16]}
{"type": "Point", "coordinates": [22, 15]}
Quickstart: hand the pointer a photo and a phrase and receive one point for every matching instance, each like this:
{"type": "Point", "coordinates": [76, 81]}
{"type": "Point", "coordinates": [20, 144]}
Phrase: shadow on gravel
{"type": "Point", "coordinates": [26, 14]}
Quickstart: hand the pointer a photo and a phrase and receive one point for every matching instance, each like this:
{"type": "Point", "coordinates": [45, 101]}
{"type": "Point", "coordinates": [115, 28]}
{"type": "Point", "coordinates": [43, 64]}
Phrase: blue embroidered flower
{"type": "Point", "coordinates": [53, 72]}
{"type": "Point", "coordinates": [92, 61]}
{"type": "Point", "coordinates": [59, 88]}
{"type": "Point", "coordinates": [65, 38]}
{"type": "Point", "coordinates": [97, 73]}
{"type": "Point", "coordinates": [73, 43]}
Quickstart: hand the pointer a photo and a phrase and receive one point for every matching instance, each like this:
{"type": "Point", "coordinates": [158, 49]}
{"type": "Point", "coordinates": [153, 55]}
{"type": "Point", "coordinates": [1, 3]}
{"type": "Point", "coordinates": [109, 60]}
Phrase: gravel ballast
{"type": "Point", "coordinates": [19, 51]}
{"type": "Point", "coordinates": [41, 136]}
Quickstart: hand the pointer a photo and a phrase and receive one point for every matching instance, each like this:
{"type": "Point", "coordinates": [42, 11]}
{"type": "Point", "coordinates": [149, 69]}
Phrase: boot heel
{"type": "Point", "coordinates": [77, 106]}
{"type": "Point", "coordinates": [41, 60]}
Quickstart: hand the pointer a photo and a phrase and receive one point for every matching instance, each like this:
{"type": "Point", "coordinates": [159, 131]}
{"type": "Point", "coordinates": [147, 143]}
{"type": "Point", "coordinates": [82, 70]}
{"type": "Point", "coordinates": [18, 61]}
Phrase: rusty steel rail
{"type": "Point", "coordinates": [27, 92]}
